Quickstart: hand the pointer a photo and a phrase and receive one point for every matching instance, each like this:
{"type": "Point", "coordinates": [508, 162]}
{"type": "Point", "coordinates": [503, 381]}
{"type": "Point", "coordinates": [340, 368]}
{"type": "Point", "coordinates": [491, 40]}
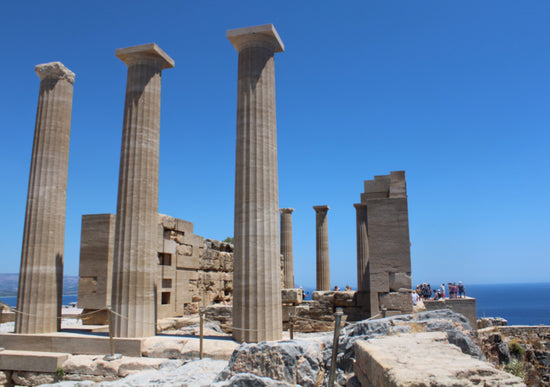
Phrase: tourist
{"type": "Point", "coordinates": [415, 297]}
{"type": "Point", "coordinates": [442, 291]}
{"type": "Point", "coordinates": [348, 288]}
{"type": "Point", "coordinates": [461, 290]}
{"type": "Point", "coordinates": [336, 288]}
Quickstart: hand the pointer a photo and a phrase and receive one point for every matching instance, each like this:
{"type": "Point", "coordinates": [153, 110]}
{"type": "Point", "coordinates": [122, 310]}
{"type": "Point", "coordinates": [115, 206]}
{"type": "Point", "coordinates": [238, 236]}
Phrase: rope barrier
{"type": "Point", "coordinates": [14, 310]}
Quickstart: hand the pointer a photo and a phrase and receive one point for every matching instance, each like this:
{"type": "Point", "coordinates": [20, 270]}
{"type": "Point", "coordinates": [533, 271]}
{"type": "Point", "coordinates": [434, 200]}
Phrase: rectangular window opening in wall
{"type": "Point", "coordinates": [167, 283]}
{"type": "Point", "coordinates": [167, 234]}
{"type": "Point", "coordinates": [165, 298]}
{"type": "Point", "coordinates": [165, 259]}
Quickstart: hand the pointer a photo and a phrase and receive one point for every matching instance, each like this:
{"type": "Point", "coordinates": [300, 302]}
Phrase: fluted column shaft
{"type": "Point", "coordinates": [257, 305]}
{"type": "Point", "coordinates": [286, 247]}
{"type": "Point", "coordinates": [135, 256]}
{"type": "Point", "coordinates": [362, 247]}
{"type": "Point", "coordinates": [41, 273]}
{"type": "Point", "coordinates": [323, 263]}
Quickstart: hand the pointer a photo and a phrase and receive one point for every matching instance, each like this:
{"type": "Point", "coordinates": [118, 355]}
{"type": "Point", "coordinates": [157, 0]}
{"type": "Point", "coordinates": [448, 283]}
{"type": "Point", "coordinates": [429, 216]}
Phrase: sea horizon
{"type": "Point", "coordinates": [518, 303]}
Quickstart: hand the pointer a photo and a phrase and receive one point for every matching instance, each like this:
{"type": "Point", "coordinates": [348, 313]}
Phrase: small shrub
{"type": "Point", "coordinates": [516, 349]}
{"type": "Point", "coordinates": [59, 373]}
{"type": "Point", "coordinates": [515, 367]}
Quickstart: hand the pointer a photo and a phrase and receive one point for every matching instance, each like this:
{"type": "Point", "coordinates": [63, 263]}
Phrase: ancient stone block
{"type": "Point", "coordinates": [323, 296]}
{"type": "Point", "coordinates": [343, 299]}
{"type": "Point", "coordinates": [396, 301]}
{"type": "Point", "coordinates": [380, 282]}
{"type": "Point", "coordinates": [399, 280]}
{"type": "Point", "coordinates": [292, 296]}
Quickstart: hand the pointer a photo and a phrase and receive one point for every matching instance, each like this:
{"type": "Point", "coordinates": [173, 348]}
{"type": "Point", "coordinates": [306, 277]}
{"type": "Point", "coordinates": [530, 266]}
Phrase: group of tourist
{"type": "Point", "coordinates": [337, 289]}
{"type": "Point", "coordinates": [424, 292]}
{"type": "Point", "coordinates": [456, 291]}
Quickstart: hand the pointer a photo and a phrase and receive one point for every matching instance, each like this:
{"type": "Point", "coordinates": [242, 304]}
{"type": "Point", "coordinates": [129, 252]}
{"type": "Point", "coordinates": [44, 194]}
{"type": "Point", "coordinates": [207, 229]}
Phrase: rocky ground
{"type": "Point", "coordinates": [521, 350]}
{"type": "Point", "coordinates": [304, 361]}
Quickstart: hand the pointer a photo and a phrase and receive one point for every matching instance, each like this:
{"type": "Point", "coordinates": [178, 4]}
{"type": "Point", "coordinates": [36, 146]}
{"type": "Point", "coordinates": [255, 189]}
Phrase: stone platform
{"type": "Point", "coordinates": [399, 361]}
{"type": "Point", "coordinates": [465, 306]}
{"type": "Point", "coordinates": [72, 343]}
{"type": "Point", "coordinates": [31, 361]}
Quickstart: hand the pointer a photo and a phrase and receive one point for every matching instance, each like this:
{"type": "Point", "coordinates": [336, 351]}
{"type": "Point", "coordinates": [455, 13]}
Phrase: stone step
{"type": "Point", "coordinates": [11, 360]}
{"type": "Point", "coordinates": [74, 343]}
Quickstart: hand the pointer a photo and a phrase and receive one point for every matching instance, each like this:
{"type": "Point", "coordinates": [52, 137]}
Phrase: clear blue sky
{"type": "Point", "coordinates": [457, 94]}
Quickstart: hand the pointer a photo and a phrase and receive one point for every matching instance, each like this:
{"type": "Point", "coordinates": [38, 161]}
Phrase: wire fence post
{"type": "Point", "coordinates": [113, 355]}
{"type": "Point", "coordinates": [291, 328]}
{"type": "Point", "coordinates": [201, 331]}
{"type": "Point", "coordinates": [337, 318]}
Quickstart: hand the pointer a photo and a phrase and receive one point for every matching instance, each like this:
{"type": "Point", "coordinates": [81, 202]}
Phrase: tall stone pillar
{"type": "Point", "coordinates": [323, 264]}
{"type": "Point", "coordinates": [257, 305]}
{"type": "Point", "coordinates": [362, 248]}
{"type": "Point", "coordinates": [41, 273]}
{"type": "Point", "coordinates": [135, 256]}
{"type": "Point", "coordinates": [286, 246]}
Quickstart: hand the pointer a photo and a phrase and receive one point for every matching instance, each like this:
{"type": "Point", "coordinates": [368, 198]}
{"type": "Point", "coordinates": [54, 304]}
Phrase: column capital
{"type": "Point", "coordinates": [360, 205]}
{"type": "Point", "coordinates": [323, 208]}
{"type": "Point", "coordinates": [258, 36]}
{"type": "Point", "coordinates": [145, 53]}
{"type": "Point", "coordinates": [286, 210]}
{"type": "Point", "coordinates": [54, 70]}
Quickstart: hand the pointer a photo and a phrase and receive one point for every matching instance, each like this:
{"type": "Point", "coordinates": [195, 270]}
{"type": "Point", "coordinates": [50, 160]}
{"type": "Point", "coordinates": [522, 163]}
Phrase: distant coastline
{"type": "Point", "coordinates": [519, 303]}
{"type": "Point", "coordinates": [9, 281]}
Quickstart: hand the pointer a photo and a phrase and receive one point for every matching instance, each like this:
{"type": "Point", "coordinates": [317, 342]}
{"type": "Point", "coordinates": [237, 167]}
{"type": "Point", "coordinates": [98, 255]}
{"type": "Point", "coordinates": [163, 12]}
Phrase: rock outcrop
{"type": "Point", "coordinates": [423, 359]}
{"type": "Point", "coordinates": [307, 361]}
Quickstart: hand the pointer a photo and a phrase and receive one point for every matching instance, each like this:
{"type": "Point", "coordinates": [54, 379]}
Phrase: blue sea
{"type": "Point", "coordinates": [12, 301]}
{"type": "Point", "coordinates": [520, 304]}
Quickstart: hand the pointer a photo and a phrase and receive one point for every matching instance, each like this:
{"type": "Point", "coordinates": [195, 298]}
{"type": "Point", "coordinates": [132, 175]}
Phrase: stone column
{"type": "Point", "coordinates": [257, 304]}
{"type": "Point", "coordinates": [362, 248]}
{"type": "Point", "coordinates": [323, 263]}
{"type": "Point", "coordinates": [41, 273]}
{"type": "Point", "coordinates": [135, 256]}
{"type": "Point", "coordinates": [286, 246]}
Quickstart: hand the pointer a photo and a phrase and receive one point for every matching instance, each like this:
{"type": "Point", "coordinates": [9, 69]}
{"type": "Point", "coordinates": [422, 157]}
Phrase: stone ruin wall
{"type": "Point", "coordinates": [191, 271]}
{"type": "Point", "coordinates": [389, 254]}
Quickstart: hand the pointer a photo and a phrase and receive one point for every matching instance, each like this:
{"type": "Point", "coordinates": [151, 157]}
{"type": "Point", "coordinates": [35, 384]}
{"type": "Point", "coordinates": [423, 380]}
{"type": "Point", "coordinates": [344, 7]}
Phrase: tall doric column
{"type": "Point", "coordinates": [321, 231]}
{"type": "Point", "coordinates": [41, 274]}
{"type": "Point", "coordinates": [135, 257]}
{"type": "Point", "coordinates": [362, 248]}
{"type": "Point", "coordinates": [257, 307]}
{"type": "Point", "coordinates": [286, 246]}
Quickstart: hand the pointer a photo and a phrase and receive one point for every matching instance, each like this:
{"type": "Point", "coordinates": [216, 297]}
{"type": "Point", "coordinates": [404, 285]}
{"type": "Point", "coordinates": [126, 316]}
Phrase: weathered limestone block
{"type": "Point", "coordinates": [397, 301]}
{"type": "Point", "coordinates": [323, 296]}
{"type": "Point", "coordinates": [345, 299]}
{"type": "Point", "coordinates": [28, 378]}
{"type": "Point", "coordinates": [393, 361]}
{"type": "Point", "coordinates": [227, 261]}
{"type": "Point", "coordinates": [171, 348]}
{"type": "Point", "coordinates": [221, 314]}
{"type": "Point", "coordinates": [5, 378]}
{"type": "Point", "coordinates": [485, 322]}
{"type": "Point", "coordinates": [400, 281]}
{"type": "Point", "coordinates": [292, 296]}
{"type": "Point", "coordinates": [169, 247]}
{"type": "Point", "coordinates": [167, 222]}
{"type": "Point", "coordinates": [380, 282]}
{"type": "Point", "coordinates": [298, 362]}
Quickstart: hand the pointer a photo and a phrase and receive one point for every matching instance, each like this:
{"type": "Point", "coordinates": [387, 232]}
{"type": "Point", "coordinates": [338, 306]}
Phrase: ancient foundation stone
{"type": "Point", "coordinates": [393, 361]}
